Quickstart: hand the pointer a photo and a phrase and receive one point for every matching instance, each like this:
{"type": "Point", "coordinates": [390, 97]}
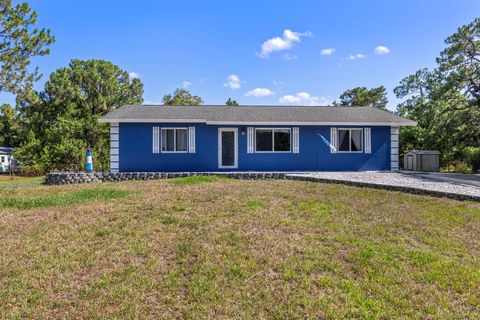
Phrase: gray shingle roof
{"type": "Point", "coordinates": [256, 115]}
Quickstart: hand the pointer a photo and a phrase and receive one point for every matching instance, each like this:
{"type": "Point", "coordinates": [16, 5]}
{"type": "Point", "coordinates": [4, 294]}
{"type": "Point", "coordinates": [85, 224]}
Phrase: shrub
{"type": "Point", "coordinates": [458, 166]}
{"type": "Point", "coordinates": [472, 156]}
{"type": "Point", "coordinates": [30, 171]}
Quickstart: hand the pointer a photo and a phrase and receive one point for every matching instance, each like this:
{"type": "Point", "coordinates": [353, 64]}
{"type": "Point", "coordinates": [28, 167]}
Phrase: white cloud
{"type": "Point", "coordinates": [259, 92]}
{"type": "Point", "coordinates": [288, 56]}
{"type": "Point", "coordinates": [381, 50]}
{"type": "Point", "coordinates": [278, 83]}
{"type": "Point", "coordinates": [233, 82]}
{"type": "Point", "coordinates": [327, 52]}
{"type": "Point", "coordinates": [356, 56]}
{"type": "Point", "coordinates": [305, 98]}
{"type": "Point", "coordinates": [285, 42]}
{"type": "Point", "coordinates": [186, 84]}
{"type": "Point", "coordinates": [133, 75]}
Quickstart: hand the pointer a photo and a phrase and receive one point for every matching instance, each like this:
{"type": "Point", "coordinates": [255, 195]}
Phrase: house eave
{"type": "Point", "coordinates": [262, 123]}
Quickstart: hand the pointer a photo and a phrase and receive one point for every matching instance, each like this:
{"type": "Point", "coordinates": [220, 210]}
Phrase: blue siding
{"type": "Point", "coordinates": [136, 151]}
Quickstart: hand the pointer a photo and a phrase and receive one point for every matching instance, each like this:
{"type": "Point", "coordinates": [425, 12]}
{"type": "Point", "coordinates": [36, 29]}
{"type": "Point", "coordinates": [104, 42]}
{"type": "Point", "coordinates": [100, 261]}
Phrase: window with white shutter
{"type": "Point", "coordinates": [273, 140]}
{"type": "Point", "coordinates": [175, 140]}
{"type": "Point", "coordinates": [191, 139]}
{"type": "Point", "coordinates": [250, 140]}
{"type": "Point", "coordinates": [296, 140]}
{"type": "Point", "coordinates": [333, 140]}
{"type": "Point", "coordinates": [368, 140]}
{"type": "Point", "coordinates": [156, 140]}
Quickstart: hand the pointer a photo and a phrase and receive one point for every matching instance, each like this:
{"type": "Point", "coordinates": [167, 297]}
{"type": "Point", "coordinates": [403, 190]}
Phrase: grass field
{"type": "Point", "coordinates": [7, 181]}
{"type": "Point", "coordinates": [194, 248]}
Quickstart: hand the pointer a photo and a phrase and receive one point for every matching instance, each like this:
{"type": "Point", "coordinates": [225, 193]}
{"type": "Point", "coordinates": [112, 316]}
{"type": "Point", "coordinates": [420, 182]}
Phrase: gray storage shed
{"type": "Point", "coordinates": [422, 160]}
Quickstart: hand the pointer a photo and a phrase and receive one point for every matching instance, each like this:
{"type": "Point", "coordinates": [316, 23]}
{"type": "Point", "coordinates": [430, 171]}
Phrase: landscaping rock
{"type": "Point", "coordinates": [61, 178]}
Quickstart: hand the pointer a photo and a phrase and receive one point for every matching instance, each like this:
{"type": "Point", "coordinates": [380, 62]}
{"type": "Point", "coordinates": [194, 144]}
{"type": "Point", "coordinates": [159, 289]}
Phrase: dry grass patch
{"type": "Point", "coordinates": [14, 181]}
{"type": "Point", "coordinates": [217, 248]}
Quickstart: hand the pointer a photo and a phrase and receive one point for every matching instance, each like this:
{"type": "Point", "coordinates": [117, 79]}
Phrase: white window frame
{"type": "Point", "coordinates": [350, 140]}
{"type": "Point", "coordinates": [273, 140]}
{"type": "Point", "coordinates": [174, 139]}
{"type": "Point", "coordinates": [2, 159]}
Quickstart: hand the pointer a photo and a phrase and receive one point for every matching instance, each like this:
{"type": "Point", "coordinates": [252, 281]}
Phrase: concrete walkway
{"type": "Point", "coordinates": [456, 186]}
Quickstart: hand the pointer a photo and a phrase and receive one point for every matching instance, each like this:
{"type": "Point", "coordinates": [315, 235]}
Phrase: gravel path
{"type": "Point", "coordinates": [396, 181]}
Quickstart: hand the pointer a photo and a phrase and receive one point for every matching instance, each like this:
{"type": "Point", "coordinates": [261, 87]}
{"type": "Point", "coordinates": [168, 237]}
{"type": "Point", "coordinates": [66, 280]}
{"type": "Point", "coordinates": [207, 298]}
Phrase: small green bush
{"type": "Point", "coordinates": [458, 166]}
{"type": "Point", "coordinates": [472, 156]}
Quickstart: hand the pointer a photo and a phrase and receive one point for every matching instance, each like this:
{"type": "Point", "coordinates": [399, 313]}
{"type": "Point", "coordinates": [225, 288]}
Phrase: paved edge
{"type": "Point", "coordinates": [63, 178]}
{"type": "Point", "coordinates": [427, 176]}
{"type": "Point", "coordinates": [412, 190]}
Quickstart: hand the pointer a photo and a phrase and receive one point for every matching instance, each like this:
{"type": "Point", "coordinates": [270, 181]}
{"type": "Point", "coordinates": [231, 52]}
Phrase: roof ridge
{"type": "Point", "coordinates": [247, 105]}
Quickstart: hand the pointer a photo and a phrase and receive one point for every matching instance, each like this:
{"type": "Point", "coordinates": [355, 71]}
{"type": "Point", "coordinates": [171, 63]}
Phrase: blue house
{"type": "Point", "coordinates": [157, 138]}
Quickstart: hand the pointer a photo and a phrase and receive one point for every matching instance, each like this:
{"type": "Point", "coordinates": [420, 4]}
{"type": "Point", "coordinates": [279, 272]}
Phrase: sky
{"type": "Point", "coordinates": [257, 52]}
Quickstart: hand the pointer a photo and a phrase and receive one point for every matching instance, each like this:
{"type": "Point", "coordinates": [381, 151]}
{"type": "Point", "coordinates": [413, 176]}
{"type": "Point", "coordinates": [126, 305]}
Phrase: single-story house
{"type": "Point", "coordinates": [155, 138]}
{"type": "Point", "coordinates": [6, 158]}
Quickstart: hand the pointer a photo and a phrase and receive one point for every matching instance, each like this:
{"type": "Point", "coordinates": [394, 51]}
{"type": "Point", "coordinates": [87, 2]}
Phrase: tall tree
{"type": "Point", "coordinates": [362, 96]}
{"type": "Point", "coordinates": [9, 126]}
{"type": "Point", "coordinates": [459, 63]}
{"type": "Point", "coordinates": [231, 102]}
{"type": "Point", "coordinates": [182, 97]}
{"type": "Point", "coordinates": [20, 40]}
{"type": "Point", "coordinates": [445, 102]}
{"type": "Point", "coordinates": [94, 87]}
{"type": "Point", "coordinates": [63, 118]}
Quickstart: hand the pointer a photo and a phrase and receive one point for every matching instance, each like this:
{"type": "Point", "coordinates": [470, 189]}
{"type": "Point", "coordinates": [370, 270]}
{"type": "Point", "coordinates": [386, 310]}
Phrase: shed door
{"type": "Point", "coordinates": [409, 162]}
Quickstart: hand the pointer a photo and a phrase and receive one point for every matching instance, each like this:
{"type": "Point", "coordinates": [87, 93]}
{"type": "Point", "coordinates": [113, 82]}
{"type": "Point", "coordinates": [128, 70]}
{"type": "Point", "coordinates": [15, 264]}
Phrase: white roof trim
{"type": "Point", "coordinates": [264, 123]}
{"type": "Point", "coordinates": [309, 123]}
{"type": "Point", "coordinates": [152, 120]}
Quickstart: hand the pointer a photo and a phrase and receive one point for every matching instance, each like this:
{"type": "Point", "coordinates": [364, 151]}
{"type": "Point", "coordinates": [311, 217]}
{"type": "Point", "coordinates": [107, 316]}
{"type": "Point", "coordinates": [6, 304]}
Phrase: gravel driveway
{"type": "Point", "coordinates": [398, 181]}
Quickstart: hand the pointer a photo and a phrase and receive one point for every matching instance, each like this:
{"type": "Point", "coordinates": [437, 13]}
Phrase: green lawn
{"type": "Point", "coordinates": [196, 248]}
{"type": "Point", "coordinates": [7, 181]}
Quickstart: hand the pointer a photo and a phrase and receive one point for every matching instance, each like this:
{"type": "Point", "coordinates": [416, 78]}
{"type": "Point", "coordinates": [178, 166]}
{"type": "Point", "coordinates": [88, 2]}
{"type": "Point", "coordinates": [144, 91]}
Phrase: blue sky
{"type": "Point", "coordinates": [240, 49]}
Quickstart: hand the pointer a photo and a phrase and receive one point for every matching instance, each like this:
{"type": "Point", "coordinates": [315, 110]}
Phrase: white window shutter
{"type": "Point", "coordinates": [156, 139]}
{"type": "Point", "coordinates": [368, 140]}
{"type": "Point", "coordinates": [191, 139]}
{"type": "Point", "coordinates": [333, 140]}
{"type": "Point", "coordinates": [296, 140]}
{"type": "Point", "coordinates": [250, 140]}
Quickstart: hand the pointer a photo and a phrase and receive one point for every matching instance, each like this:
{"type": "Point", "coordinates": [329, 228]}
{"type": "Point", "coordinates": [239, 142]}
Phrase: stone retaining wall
{"type": "Point", "coordinates": [61, 178]}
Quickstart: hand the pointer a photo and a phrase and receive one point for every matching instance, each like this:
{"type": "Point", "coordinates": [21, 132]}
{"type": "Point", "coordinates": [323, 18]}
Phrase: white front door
{"type": "Point", "coordinates": [227, 148]}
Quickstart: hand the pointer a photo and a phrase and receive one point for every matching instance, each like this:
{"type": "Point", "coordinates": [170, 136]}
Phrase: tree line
{"type": "Point", "coordinates": [50, 129]}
